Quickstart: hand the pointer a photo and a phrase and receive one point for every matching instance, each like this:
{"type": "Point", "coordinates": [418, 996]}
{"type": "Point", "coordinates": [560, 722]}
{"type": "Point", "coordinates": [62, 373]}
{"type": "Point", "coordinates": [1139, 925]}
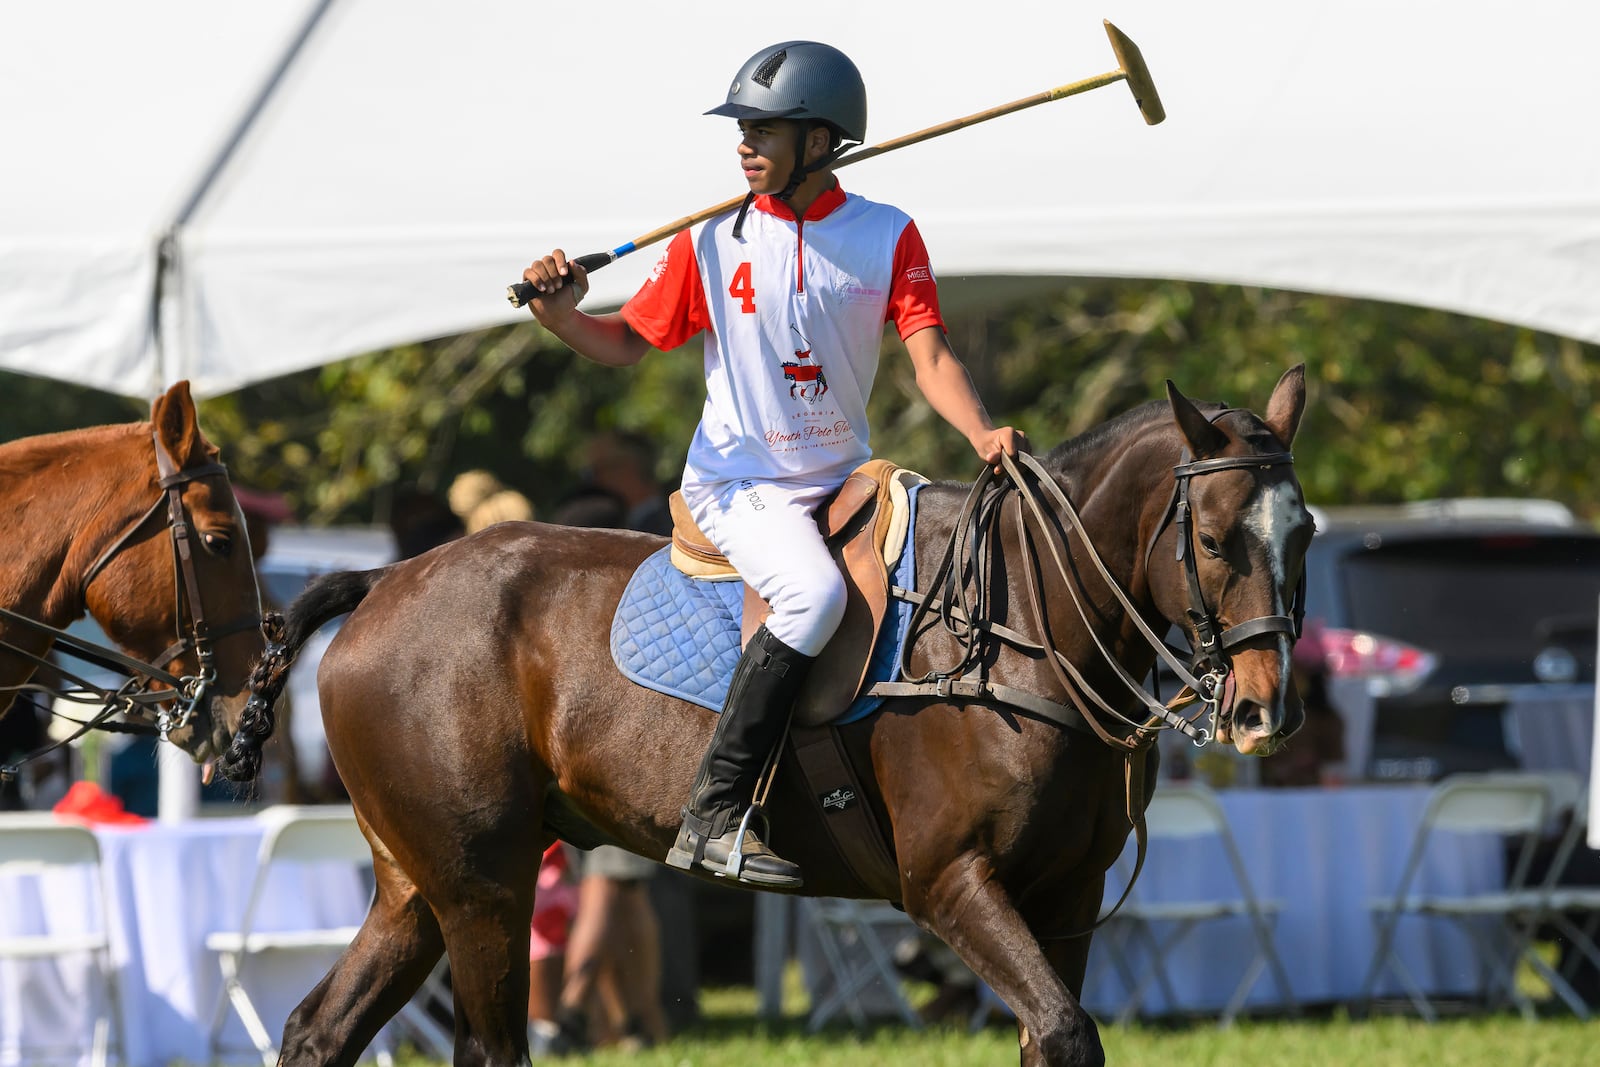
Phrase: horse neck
{"type": "Point", "coordinates": [1120, 489]}
{"type": "Point", "coordinates": [64, 498]}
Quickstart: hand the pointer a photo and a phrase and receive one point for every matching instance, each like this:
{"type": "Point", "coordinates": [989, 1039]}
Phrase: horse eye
{"type": "Point", "coordinates": [217, 544]}
{"type": "Point", "coordinates": [1209, 544]}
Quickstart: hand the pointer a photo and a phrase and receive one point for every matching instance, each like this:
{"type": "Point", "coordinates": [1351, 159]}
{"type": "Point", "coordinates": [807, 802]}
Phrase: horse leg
{"type": "Point", "coordinates": [486, 925]}
{"type": "Point", "coordinates": [971, 911]}
{"type": "Point", "coordinates": [396, 948]}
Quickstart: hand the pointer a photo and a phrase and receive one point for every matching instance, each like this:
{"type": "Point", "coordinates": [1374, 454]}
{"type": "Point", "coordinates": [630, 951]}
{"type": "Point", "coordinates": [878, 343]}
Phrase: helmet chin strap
{"type": "Point", "coordinates": [801, 172]}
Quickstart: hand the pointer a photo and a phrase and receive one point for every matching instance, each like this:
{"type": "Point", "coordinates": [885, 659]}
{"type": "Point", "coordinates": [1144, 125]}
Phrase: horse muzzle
{"type": "Point", "coordinates": [1256, 723]}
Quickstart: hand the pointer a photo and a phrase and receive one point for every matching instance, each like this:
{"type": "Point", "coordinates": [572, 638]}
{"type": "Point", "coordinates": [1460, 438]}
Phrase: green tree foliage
{"type": "Point", "coordinates": [1406, 403]}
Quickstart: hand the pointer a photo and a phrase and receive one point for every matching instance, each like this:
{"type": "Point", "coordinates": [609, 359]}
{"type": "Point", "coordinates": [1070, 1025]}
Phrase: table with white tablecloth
{"type": "Point", "coordinates": [170, 886]}
{"type": "Point", "coordinates": [1324, 853]}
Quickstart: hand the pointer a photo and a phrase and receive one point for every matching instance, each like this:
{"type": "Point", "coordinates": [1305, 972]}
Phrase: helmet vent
{"type": "Point", "coordinates": [769, 68]}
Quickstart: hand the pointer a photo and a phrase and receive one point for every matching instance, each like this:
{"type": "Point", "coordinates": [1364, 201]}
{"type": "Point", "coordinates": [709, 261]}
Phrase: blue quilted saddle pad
{"type": "Point", "coordinates": [680, 636]}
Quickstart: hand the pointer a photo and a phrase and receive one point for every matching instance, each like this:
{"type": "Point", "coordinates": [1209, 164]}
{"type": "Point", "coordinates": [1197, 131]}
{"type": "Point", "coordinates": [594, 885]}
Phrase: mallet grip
{"type": "Point", "coordinates": [522, 292]}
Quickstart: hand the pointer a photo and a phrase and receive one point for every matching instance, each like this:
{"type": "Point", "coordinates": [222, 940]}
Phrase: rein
{"type": "Point", "coordinates": [134, 695]}
{"type": "Point", "coordinates": [973, 542]}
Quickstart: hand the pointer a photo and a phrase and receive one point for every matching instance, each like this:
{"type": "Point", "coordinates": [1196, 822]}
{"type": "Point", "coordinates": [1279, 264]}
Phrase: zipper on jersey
{"type": "Point", "coordinates": [800, 257]}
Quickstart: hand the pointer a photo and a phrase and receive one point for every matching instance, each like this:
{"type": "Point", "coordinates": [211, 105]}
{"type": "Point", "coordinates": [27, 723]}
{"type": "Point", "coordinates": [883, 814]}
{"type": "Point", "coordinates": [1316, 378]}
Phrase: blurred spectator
{"type": "Point", "coordinates": [507, 505]}
{"type": "Point", "coordinates": [624, 464]}
{"type": "Point", "coordinates": [554, 904]}
{"type": "Point", "coordinates": [469, 489]}
{"type": "Point", "coordinates": [420, 521]}
{"type": "Point", "coordinates": [1315, 753]}
{"type": "Point", "coordinates": [611, 989]}
{"type": "Point", "coordinates": [22, 732]}
{"type": "Point", "coordinates": [480, 500]}
{"type": "Point", "coordinates": [591, 506]}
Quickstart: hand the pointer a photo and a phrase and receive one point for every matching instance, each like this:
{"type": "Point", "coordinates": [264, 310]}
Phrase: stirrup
{"type": "Point", "coordinates": [735, 862]}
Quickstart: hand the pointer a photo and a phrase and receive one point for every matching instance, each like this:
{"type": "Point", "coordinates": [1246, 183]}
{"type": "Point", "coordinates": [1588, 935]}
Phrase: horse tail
{"type": "Point", "coordinates": [325, 599]}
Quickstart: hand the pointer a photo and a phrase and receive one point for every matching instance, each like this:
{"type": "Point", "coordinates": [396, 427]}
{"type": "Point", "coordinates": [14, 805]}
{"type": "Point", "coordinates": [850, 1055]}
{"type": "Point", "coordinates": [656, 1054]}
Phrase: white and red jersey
{"type": "Point", "coordinates": [796, 311]}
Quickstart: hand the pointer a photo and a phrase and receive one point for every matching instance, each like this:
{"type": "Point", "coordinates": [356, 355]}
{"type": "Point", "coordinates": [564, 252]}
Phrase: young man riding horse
{"type": "Point", "coordinates": [799, 258]}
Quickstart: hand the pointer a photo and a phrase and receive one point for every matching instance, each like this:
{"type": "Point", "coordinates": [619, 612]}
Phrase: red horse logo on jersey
{"type": "Point", "coordinates": [805, 378]}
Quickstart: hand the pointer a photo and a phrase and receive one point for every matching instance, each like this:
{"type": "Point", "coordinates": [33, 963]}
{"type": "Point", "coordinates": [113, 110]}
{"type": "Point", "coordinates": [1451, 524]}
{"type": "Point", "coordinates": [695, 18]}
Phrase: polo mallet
{"type": "Point", "coordinates": [1130, 69]}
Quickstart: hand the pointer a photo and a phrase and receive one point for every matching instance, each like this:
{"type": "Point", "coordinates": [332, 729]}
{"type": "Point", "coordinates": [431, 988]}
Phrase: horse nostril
{"type": "Point", "coordinates": [1253, 718]}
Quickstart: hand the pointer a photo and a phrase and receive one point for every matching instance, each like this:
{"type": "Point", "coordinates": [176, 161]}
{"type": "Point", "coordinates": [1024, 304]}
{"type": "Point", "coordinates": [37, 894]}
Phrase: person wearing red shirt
{"type": "Point", "coordinates": [792, 291]}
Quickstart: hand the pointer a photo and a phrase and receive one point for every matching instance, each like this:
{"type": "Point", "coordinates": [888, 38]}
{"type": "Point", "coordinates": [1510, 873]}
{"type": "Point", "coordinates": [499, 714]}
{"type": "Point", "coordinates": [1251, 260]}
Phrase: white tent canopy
{"type": "Point", "coordinates": [413, 157]}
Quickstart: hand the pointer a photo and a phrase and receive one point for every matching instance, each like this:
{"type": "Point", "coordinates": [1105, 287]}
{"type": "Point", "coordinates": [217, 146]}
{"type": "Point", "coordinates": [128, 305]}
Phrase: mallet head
{"type": "Point", "coordinates": [1137, 74]}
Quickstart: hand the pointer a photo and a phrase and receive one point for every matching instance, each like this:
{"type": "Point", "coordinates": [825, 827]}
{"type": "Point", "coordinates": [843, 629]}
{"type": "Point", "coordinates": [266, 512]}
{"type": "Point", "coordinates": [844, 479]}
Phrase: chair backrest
{"type": "Point", "coordinates": [1189, 810]}
{"type": "Point", "coordinates": [1503, 803]}
{"type": "Point", "coordinates": [1488, 803]}
{"type": "Point", "coordinates": [312, 834]}
{"type": "Point", "coordinates": [33, 841]}
{"type": "Point", "coordinates": [303, 834]}
{"type": "Point", "coordinates": [1184, 809]}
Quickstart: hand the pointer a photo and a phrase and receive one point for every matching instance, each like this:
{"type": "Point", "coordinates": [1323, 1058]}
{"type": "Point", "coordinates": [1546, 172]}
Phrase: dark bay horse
{"type": "Point", "coordinates": [135, 525]}
{"type": "Point", "coordinates": [474, 714]}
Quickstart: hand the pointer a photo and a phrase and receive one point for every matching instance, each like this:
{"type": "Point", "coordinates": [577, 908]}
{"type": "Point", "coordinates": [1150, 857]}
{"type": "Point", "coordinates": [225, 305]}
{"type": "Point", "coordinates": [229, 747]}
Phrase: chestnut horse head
{"type": "Point", "coordinates": [135, 525]}
{"type": "Point", "coordinates": [475, 715]}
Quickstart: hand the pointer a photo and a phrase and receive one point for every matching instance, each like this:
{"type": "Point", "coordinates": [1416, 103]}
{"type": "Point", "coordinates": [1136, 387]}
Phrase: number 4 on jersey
{"type": "Point", "coordinates": [742, 290]}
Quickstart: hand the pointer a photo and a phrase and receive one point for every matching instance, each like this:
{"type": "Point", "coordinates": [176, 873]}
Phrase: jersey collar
{"type": "Point", "coordinates": [822, 206]}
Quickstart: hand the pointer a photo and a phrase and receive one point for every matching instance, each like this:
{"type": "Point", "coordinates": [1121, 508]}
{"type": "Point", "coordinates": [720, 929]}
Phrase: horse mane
{"type": "Point", "coordinates": [26, 454]}
{"type": "Point", "coordinates": [1117, 428]}
{"type": "Point", "coordinates": [36, 466]}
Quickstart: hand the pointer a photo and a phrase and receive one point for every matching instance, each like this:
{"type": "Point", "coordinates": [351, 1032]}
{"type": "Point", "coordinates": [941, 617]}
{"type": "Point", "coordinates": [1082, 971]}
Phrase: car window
{"type": "Point", "coordinates": [1492, 602]}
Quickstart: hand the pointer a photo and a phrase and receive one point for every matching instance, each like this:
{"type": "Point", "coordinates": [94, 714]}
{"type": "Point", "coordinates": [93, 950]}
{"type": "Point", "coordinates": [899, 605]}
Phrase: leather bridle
{"type": "Point", "coordinates": [1212, 643]}
{"type": "Point", "coordinates": [1204, 677]}
{"type": "Point", "coordinates": [175, 705]}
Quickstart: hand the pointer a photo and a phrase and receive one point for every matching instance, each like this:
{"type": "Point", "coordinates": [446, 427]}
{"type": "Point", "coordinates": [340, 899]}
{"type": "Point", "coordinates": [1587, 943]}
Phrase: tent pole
{"type": "Point", "coordinates": [179, 779]}
{"type": "Point", "coordinates": [169, 251]}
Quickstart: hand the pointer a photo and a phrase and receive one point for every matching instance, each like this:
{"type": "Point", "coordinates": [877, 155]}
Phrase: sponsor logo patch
{"type": "Point", "coordinates": [838, 800]}
{"type": "Point", "coordinates": [919, 274]}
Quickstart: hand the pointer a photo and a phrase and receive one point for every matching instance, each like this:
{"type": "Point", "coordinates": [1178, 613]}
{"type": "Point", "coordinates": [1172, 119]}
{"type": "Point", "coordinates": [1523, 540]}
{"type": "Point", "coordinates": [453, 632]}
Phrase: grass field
{"type": "Point", "coordinates": [731, 1036]}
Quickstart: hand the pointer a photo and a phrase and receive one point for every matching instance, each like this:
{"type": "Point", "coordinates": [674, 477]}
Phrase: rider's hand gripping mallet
{"type": "Point", "coordinates": [1130, 68]}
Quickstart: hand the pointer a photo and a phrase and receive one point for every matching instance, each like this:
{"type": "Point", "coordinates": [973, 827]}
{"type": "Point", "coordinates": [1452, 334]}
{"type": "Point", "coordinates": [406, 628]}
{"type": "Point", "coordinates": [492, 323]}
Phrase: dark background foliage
{"type": "Point", "coordinates": [1406, 403]}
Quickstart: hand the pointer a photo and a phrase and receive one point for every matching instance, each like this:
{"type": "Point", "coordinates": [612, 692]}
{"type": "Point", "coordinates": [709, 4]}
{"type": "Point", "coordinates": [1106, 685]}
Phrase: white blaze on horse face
{"type": "Point", "coordinates": [1274, 514]}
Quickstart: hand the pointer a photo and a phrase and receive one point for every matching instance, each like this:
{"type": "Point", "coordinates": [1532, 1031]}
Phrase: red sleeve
{"type": "Point", "coordinates": [670, 307]}
{"type": "Point", "coordinates": [914, 295]}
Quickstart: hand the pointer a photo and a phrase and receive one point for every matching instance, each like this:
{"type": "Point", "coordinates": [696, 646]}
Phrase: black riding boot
{"type": "Point", "coordinates": [765, 684]}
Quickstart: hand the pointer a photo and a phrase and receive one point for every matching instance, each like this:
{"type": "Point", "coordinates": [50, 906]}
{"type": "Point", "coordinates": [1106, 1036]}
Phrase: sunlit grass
{"type": "Point", "coordinates": [732, 1036]}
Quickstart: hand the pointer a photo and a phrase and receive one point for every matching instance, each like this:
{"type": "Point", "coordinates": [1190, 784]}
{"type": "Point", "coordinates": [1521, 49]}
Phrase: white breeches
{"type": "Point", "coordinates": [768, 531]}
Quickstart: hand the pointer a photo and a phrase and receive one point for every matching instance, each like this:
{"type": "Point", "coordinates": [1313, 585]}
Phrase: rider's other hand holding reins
{"type": "Point", "coordinates": [999, 441]}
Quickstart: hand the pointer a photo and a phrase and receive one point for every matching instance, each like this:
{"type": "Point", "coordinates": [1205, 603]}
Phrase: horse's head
{"type": "Point", "coordinates": [178, 589]}
{"type": "Point", "coordinates": [1242, 528]}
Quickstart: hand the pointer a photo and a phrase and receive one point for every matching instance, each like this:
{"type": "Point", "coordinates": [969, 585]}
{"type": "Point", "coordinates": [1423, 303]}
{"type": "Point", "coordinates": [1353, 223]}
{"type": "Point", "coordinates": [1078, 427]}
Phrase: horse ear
{"type": "Point", "coordinates": [1204, 439]}
{"type": "Point", "coordinates": [1288, 403]}
{"type": "Point", "coordinates": [177, 427]}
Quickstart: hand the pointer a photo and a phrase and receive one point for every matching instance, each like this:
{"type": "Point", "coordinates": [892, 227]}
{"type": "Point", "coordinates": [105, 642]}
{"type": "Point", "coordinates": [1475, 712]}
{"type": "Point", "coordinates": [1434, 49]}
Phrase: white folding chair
{"type": "Point", "coordinates": [1572, 911]}
{"type": "Point", "coordinates": [849, 936]}
{"type": "Point", "coordinates": [1504, 804]}
{"type": "Point", "coordinates": [291, 835]}
{"type": "Point", "coordinates": [1190, 810]}
{"type": "Point", "coordinates": [33, 844]}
